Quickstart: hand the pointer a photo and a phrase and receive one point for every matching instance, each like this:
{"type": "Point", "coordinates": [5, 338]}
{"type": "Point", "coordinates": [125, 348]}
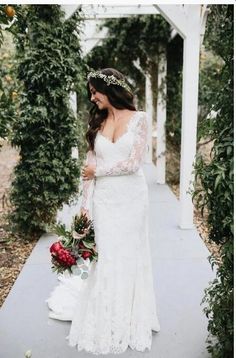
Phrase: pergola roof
{"type": "Point", "coordinates": [95, 14]}
{"type": "Point", "coordinates": [109, 11]}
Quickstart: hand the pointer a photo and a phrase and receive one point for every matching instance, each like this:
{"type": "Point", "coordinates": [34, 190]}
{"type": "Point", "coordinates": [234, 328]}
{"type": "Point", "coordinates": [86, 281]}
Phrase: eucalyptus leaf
{"type": "Point", "coordinates": [84, 267]}
{"type": "Point", "coordinates": [88, 245]}
{"type": "Point", "coordinates": [76, 270]}
{"type": "Point", "coordinates": [80, 261]}
{"type": "Point", "coordinates": [84, 275]}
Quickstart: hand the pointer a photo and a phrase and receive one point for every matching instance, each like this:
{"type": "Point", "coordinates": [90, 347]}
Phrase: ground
{"type": "Point", "coordinates": [14, 251]}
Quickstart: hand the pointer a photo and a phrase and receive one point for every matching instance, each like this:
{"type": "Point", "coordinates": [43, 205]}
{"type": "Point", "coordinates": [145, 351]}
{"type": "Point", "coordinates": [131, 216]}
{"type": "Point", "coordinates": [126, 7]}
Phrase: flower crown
{"type": "Point", "coordinates": [109, 79]}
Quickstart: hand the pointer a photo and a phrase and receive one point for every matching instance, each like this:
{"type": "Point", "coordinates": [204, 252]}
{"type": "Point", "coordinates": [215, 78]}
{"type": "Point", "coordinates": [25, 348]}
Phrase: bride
{"type": "Point", "coordinates": [115, 307]}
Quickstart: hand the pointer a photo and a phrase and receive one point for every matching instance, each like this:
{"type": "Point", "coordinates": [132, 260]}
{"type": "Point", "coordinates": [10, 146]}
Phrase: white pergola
{"type": "Point", "coordinates": [189, 21]}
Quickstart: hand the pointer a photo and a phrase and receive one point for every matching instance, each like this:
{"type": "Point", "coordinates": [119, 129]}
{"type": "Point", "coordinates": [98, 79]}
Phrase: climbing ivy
{"type": "Point", "coordinates": [49, 65]}
{"type": "Point", "coordinates": [216, 177]}
{"type": "Point", "coordinates": [7, 14]}
{"type": "Point", "coordinates": [130, 39]}
{"type": "Point", "coordinates": [8, 83]}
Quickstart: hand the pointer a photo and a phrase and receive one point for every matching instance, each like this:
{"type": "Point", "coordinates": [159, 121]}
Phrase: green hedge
{"type": "Point", "coordinates": [49, 57]}
{"type": "Point", "coordinates": [8, 85]}
{"type": "Point", "coordinates": [216, 178]}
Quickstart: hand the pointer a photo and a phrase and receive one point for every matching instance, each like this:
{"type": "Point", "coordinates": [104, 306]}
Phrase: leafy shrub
{"type": "Point", "coordinates": [45, 131]}
{"type": "Point", "coordinates": [216, 177]}
{"type": "Point", "coordinates": [8, 85]}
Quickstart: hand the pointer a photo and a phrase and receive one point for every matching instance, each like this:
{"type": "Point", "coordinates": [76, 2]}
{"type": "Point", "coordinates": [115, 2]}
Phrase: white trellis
{"type": "Point", "coordinates": [189, 21]}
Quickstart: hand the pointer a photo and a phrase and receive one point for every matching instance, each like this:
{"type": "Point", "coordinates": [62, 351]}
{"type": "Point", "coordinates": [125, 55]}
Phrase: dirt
{"type": "Point", "coordinates": [14, 251]}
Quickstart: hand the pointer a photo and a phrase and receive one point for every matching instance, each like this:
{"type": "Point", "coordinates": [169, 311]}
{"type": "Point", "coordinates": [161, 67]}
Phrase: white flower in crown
{"type": "Point", "coordinates": [109, 79]}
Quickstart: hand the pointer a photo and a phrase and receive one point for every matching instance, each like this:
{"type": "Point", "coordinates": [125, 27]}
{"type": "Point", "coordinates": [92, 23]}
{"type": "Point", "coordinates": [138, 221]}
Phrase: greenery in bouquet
{"type": "Point", "coordinates": [74, 247]}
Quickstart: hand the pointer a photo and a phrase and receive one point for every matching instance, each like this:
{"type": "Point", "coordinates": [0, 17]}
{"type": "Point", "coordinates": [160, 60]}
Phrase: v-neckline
{"type": "Point", "coordinates": [122, 135]}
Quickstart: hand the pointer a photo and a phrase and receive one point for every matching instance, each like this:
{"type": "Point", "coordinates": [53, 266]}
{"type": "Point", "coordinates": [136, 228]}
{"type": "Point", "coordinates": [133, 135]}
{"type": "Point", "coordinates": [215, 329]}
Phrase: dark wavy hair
{"type": "Point", "coordinates": [118, 96]}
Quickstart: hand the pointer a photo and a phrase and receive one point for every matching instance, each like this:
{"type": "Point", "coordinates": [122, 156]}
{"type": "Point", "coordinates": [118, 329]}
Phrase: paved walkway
{"type": "Point", "coordinates": [181, 272]}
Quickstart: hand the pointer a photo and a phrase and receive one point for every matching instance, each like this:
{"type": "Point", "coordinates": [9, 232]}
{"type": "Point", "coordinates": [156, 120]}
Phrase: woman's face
{"type": "Point", "coordinates": [99, 98]}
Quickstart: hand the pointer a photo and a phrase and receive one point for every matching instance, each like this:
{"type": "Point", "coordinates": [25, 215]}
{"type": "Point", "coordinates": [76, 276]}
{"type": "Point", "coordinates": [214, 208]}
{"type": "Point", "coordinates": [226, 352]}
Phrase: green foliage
{"type": "Point", "coordinates": [45, 131]}
{"type": "Point", "coordinates": [209, 82]}
{"type": "Point", "coordinates": [216, 177]}
{"type": "Point", "coordinates": [174, 92]}
{"type": "Point", "coordinates": [4, 21]}
{"type": "Point", "coordinates": [8, 87]}
{"type": "Point", "coordinates": [8, 83]}
{"type": "Point", "coordinates": [136, 38]}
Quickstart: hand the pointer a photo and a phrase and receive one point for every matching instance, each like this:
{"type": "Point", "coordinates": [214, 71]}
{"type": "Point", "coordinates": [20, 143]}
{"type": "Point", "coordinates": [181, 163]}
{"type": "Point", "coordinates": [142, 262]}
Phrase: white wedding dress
{"type": "Point", "coordinates": [115, 306]}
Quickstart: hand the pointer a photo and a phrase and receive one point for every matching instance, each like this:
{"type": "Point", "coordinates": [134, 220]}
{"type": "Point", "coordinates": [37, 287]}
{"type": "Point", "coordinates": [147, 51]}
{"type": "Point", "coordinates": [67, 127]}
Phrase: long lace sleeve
{"type": "Point", "coordinates": [133, 163]}
{"type": "Point", "coordinates": [88, 185]}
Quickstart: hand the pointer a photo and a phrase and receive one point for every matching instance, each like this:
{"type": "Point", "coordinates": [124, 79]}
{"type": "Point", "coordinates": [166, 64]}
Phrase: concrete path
{"type": "Point", "coordinates": [181, 272]}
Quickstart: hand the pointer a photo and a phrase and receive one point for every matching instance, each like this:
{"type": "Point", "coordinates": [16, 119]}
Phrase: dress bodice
{"type": "Point", "coordinates": [111, 152]}
{"type": "Point", "coordinates": [126, 154]}
{"type": "Point", "coordinates": [123, 157]}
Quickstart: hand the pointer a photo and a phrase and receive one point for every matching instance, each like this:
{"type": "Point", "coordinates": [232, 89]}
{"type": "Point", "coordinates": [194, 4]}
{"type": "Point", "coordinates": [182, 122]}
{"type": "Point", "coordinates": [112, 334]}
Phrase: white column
{"type": "Point", "coordinates": [189, 126]}
{"type": "Point", "coordinates": [189, 21]}
{"type": "Point", "coordinates": [149, 110]}
{"type": "Point", "coordinates": [161, 118]}
{"type": "Point", "coordinates": [73, 104]}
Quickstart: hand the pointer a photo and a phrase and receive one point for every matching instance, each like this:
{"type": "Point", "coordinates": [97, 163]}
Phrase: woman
{"type": "Point", "coordinates": [117, 307]}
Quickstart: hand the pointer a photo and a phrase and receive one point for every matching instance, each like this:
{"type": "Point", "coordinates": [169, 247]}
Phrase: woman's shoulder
{"type": "Point", "coordinates": [141, 111]}
{"type": "Point", "coordinates": [142, 115]}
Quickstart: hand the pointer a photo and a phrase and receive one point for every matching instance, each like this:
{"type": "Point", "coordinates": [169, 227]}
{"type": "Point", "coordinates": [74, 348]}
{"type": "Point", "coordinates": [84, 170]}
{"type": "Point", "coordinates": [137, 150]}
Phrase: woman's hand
{"type": "Point", "coordinates": [88, 171]}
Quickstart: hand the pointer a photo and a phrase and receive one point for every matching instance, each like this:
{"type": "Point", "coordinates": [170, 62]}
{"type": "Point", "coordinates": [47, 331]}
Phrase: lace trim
{"type": "Point", "coordinates": [104, 325]}
{"type": "Point", "coordinates": [137, 154]}
{"type": "Point", "coordinates": [126, 131]}
{"type": "Point", "coordinates": [88, 185]}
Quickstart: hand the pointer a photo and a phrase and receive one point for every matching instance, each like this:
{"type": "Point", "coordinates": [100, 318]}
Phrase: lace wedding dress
{"type": "Point", "coordinates": [115, 306]}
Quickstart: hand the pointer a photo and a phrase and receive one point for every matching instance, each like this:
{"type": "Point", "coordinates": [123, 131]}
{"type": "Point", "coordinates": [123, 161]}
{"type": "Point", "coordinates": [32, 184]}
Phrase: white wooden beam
{"type": "Point", "coordinates": [90, 36]}
{"type": "Point", "coordinates": [175, 15]}
{"type": "Point", "coordinates": [100, 11]}
{"type": "Point", "coordinates": [73, 105]}
{"type": "Point", "coordinates": [189, 126]}
{"type": "Point", "coordinates": [69, 10]}
{"type": "Point", "coordinates": [149, 111]}
{"type": "Point", "coordinates": [73, 102]}
{"type": "Point", "coordinates": [204, 13]}
{"type": "Point", "coordinates": [189, 22]}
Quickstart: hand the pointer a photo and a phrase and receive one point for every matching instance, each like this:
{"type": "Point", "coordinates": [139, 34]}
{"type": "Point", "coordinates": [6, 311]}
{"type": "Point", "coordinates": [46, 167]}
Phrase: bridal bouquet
{"type": "Point", "coordinates": [74, 247]}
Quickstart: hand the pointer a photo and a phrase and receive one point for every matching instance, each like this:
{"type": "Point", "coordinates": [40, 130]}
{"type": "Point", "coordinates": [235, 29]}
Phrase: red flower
{"type": "Point", "coordinates": [81, 245]}
{"type": "Point", "coordinates": [71, 245]}
{"type": "Point", "coordinates": [62, 255]}
{"type": "Point", "coordinates": [66, 257]}
{"type": "Point", "coordinates": [86, 254]}
{"type": "Point", "coordinates": [56, 246]}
